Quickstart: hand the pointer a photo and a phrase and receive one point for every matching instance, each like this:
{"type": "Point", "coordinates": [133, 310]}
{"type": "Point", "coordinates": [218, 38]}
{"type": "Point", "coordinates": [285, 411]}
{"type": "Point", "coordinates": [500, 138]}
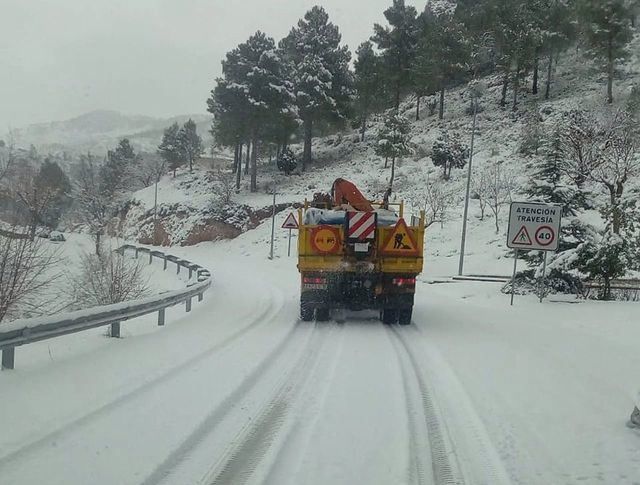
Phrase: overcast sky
{"type": "Point", "coordinates": [62, 58]}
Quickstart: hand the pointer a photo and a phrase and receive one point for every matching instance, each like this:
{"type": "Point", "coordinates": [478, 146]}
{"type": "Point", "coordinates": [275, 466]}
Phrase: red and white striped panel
{"type": "Point", "coordinates": [362, 225]}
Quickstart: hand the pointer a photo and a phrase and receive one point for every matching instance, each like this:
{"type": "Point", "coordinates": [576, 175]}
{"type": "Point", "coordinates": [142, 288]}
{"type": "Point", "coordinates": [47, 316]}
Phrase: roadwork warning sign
{"type": "Point", "coordinates": [401, 242]}
{"type": "Point", "coordinates": [534, 226]}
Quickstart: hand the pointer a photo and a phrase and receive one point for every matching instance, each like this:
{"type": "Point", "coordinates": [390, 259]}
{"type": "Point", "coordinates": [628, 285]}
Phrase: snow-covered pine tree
{"type": "Point", "coordinates": [442, 55]}
{"type": "Point", "coordinates": [169, 148]}
{"type": "Point", "coordinates": [449, 152]}
{"type": "Point", "coordinates": [606, 26]}
{"type": "Point", "coordinates": [532, 135]}
{"type": "Point", "coordinates": [367, 83]}
{"type": "Point", "coordinates": [397, 45]}
{"type": "Point", "coordinates": [118, 165]}
{"type": "Point", "coordinates": [549, 184]}
{"type": "Point", "coordinates": [393, 141]}
{"type": "Point", "coordinates": [190, 142]}
{"type": "Point", "coordinates": [319, 70]}
{"type": "Point", "coordinates": [558, 30]}
{"type": "Point", "coordinates": [287, 162]}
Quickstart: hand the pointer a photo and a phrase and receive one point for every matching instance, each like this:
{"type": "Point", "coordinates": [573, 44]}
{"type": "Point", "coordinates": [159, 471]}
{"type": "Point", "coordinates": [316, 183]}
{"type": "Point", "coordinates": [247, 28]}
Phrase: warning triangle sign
{"type": "Point", "coordinates": [290, 222]}
{"type": "Point", "coordinates": [522, 238]}
{"type": "Point", "coordinates": [401, 241]}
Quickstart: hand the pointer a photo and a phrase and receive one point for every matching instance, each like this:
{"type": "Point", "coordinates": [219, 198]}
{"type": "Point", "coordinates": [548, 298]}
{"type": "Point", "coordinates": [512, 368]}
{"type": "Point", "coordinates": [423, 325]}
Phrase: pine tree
{"type": "Point", "coordinates": [254, 101]}
{"type": "Point", "coordinates": [367, 83]}
{"type": "Point", "coordinates": [320, 74]}
{"type": "Point", "coordinates": [398, 46]}
{"type": "Point", "coordinates": [51, 178]}
{"type": "Point", "coordinates": [394, 141]}
{"type": "Point", "coordinates": [189, 142]}
{"type": "Point", "coordinates": [606, 26]}
{"type": "Point", "coordinates": [442, 56]}
{"type": "Point", "coordinates": [557, 33]}
{"type": "Point", "coordinates": [114, 173]}
{"type": "Point", "coordinates": [170, 149]}
{"type": "Point", "coordinates": [548, 182]}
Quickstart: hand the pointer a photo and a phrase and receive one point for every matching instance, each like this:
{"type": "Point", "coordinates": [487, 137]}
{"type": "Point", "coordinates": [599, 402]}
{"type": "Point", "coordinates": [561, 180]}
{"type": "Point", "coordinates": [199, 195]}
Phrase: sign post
{"type": "Point", "coordinates": [533, 226]}
{"type": "Point", "coordinates": [290, 223]}
{"type": "Point", "coordinates": [273, 223]}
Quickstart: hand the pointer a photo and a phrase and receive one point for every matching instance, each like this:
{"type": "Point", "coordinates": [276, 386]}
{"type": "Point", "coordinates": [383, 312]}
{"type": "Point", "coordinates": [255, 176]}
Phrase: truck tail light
{"type": "Point", "coordinates": [314, 282]}
{"type": "Point", "coordinates": [404, 281]}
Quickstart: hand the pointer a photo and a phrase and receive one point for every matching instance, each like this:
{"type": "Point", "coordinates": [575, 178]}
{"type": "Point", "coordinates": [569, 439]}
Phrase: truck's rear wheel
{"type": "Point", "coordinates": [322, 314]}
{"type": "Point", "coordinates": [306, 312]}
{"type": "Point", "coordinates": [404, 316]}
{"type": "Point", "coordinates": [389, 316]}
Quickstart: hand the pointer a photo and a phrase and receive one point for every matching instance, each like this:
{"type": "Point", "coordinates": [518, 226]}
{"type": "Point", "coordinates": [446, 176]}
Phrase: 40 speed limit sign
{"type": "Point", "coordinates": [534, 226]}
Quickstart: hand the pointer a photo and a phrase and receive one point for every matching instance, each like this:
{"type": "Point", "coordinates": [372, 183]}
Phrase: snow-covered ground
{"type": "Point", "coordinates": [239, 391]}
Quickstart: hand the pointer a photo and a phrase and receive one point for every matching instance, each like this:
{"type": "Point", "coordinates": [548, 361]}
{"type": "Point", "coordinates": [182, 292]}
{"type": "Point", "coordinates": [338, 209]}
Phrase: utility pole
{"type": "Point", "coordinates": [463, 240]}
{"type": "Point", "coordinates": [155, 213]}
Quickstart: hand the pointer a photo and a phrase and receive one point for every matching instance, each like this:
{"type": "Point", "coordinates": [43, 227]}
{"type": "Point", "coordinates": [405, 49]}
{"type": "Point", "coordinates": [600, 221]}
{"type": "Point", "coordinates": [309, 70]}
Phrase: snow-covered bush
{"type": "Point", "coordinates": [107, 278]}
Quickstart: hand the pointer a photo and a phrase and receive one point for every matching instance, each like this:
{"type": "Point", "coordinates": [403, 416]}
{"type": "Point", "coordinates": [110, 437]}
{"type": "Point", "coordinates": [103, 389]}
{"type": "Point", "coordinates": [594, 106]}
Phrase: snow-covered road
{"type": "Point", "coordinates": [239, 391]}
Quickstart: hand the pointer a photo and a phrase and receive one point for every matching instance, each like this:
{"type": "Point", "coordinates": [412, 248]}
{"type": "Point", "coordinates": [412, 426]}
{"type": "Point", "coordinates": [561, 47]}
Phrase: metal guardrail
{"type": "Point", "coordinates": [26, 331]}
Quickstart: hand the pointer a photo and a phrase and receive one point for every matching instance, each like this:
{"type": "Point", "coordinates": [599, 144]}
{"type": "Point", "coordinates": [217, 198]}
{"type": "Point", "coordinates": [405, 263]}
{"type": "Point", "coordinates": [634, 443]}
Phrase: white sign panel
{"type": "Point", "coordinates": [534, 226]}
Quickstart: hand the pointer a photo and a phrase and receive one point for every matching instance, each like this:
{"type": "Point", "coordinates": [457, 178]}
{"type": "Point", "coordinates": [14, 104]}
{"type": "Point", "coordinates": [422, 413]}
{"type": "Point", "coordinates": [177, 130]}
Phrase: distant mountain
{"type": "Point", "coordinates": [99, 131]}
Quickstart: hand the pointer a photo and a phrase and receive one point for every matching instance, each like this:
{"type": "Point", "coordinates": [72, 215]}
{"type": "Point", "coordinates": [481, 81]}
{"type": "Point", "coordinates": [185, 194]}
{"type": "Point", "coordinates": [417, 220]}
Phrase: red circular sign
{"type": "Point", "coordinates": [325, 239]}
{"type": "Point", "coordinates": [545, 235]}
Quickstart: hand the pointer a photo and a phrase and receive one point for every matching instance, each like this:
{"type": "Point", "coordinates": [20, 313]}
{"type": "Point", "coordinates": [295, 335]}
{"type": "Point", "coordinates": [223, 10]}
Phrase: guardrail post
{"type": "Point", "coordinates": [188, 304]}
{"type": "Point", "coordinates": [200, 296]}
{"type": "Point", "coordinates": [161, 317]}
{"type": "Point", "coordinates": [164, 266]}
{"type": "Point", "coordinates": [137, 250]}
{"type": "Point", "coordinates": [115, 330]}
{"type": "Point", "coordinates": [190, 272]}
{"type": "Point", "coordinates": [150, 257]}
{"type": "Point", "coordinates": [8, 358]}
{"type": "Point", "coordinates": [178, 265]}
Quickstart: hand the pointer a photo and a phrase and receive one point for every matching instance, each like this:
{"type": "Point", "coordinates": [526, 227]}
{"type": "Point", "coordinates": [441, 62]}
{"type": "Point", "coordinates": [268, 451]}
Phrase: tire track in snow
{"type": "Point", "coordinates": [241, 459]}
{"type": "Point", "coordinates": [222, 412]}
{"type": "Point", "coordinates": [419, 461]}
{"type": "Point", "coordinates": [476, 459]}
{"type": "Point", "coordinates": [265, 316]}
{"type": "Point", "coordinates": [423, 414]}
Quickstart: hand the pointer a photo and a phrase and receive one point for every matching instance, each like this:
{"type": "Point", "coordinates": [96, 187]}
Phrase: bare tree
{"type": "Point", "coordinates": [618, 161]}
{"type": "Point", "coordinates": [580, 142]}
{"type": "Point", "coordinates": [27, 268]}
{"type": "Point", "coordinates": [480, 187]}
{"type": "Point", "coordinates": [225, 181]}
{"type": "Point", "coordinates": [150, 170]}
{"type": "Point", "coordinates": [438, 199]}
{"type": "Point", "coordinates": [95, 202]}
{"type": "Point", "coordinates": [106, 278]}
{"type": "Point", "coordinates": [500, 186]}
{"type": "Point", "coordinates": [7, 157]}
{"type": "Point", "coordinates": [34, 195]}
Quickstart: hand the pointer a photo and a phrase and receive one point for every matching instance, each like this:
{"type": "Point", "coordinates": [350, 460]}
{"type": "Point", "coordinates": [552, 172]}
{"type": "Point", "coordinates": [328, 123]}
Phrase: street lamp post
{"type": "Point", "coordinates": [463, 239]}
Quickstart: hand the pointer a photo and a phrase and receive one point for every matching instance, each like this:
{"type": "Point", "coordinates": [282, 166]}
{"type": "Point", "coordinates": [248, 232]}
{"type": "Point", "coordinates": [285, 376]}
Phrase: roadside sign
{"type": "Point", "coordinates": [325, 239]}
{"type": "Point", "coordinates": [290, 222]}
{"type": "Point", "coordinates": [401, 241]}
{"type": "Point", "coordinates": [534, 226]}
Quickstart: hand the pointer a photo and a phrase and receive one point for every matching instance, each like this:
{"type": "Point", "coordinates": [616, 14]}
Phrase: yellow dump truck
{"type": "Point", "coordinates": [357, 254]}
